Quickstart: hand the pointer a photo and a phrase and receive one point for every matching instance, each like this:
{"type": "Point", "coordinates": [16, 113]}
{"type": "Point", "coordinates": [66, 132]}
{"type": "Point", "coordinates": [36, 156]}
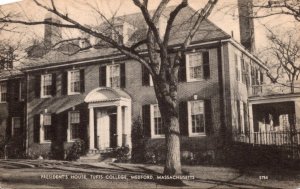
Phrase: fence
{"type": "Point", "coordinates": [287, 142]}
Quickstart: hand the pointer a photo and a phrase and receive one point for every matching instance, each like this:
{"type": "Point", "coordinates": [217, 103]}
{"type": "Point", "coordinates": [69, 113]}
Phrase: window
{"type": "Point", "coordinates": [47, 127]}
{"type": "Point", "coordinates": [74, 82]}
{"type": "Point", "coordinates": [46, 85]}
{"type": "Point", "coordinates": [156, 122]}
{"type": "Point", "coordinates": [244, 71]}
{"type": "Point", "coordinates": [114, 75]}
{"type": "Point", "coordinates": [196, 118]}
{"type": "Point", "coordinates": [3, 92]}
{"type": "Point", "coordinates": [74, 125]}
{"type": "Point", "coordinates": [16, 126]}
{"type": "Point", "coordinates": [197, 66]}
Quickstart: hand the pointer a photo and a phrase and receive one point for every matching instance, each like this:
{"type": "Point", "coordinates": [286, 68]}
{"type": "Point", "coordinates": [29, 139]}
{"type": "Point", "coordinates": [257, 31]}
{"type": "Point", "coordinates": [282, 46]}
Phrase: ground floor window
{"type": "Point", "coordinates": [47, 126]}
{"type": "Point", "coordinates": [196, 117]}
{"type": "Point", "coordinates": [74, 125]}
{"type": "Point", "coordinates": [156, 121]}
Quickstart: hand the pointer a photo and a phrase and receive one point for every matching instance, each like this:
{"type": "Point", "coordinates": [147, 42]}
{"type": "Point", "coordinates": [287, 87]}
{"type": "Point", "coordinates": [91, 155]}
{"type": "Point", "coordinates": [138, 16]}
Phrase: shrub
{"type": "Point", "coordinates": [122, 154]}
{"type": "Point", "coordinates": [77, 149]}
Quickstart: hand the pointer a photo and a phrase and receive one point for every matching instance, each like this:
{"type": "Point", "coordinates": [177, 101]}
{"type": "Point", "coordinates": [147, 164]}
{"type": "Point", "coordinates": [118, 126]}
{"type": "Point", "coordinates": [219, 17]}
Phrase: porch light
{"type": "Point", "coordinates": [195, 97]}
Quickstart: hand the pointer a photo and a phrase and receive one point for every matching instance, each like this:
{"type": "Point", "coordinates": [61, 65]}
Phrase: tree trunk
{"type": "Point", "coordinates": [173, 163]}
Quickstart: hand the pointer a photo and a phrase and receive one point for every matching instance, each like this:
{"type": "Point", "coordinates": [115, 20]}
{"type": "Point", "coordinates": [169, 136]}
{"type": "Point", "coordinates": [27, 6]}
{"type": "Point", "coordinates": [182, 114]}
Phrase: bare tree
{"type": "Point", "coordinates": [283, 58]}
{"type": "Point", "coordinates": [163, 69]}
{"type": "Point", "coordinates": [265, 8]}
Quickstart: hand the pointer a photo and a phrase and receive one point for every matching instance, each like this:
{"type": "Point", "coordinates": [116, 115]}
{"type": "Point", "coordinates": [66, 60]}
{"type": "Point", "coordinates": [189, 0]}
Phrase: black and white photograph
{"type": "Point", "coordinates": [149, 94]}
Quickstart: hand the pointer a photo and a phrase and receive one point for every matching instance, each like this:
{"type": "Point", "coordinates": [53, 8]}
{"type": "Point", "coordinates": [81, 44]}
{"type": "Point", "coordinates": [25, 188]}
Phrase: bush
{"type": "Point", "coordinates": [77, 149]}
{"type": "Point", "coordinates": [122, 154]}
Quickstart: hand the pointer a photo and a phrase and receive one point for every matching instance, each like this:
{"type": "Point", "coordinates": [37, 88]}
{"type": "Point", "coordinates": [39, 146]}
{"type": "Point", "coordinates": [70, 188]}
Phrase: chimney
{"type": "Point", "coordinates": [245, 8]}
{"type": "Point", "coordinates": [52, 33]}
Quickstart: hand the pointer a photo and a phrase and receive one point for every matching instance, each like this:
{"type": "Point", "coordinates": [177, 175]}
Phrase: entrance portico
{"type": "Point", "coordinates": [109, 118]}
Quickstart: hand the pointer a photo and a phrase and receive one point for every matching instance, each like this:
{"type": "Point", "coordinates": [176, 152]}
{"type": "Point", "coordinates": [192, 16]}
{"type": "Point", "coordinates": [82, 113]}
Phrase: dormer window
{"type": "Point", "coordinates": [117, 34]}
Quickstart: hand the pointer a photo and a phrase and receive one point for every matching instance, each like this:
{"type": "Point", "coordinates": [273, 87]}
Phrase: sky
{"type": "Point", "coordinates": [225, 15]}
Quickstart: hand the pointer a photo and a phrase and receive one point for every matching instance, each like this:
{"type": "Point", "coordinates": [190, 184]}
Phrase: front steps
{"type": "Point", "coordinates": [96, 155]}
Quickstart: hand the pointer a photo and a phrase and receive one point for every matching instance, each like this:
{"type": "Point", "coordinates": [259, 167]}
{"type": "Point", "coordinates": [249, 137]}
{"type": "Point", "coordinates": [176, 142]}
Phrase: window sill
{"type": "Point", "coordinates": [73, 93]}
{"type": "Point", "coordinates": [48, 96]}
{"type": "Point", "coordinates": [3, 102]}
{"type": "Point", "coordinates": [46, 142]}
{"type": "Point", "coordinates": [197, 135]}
{"type": "Point", "coordinates": [157, 136]}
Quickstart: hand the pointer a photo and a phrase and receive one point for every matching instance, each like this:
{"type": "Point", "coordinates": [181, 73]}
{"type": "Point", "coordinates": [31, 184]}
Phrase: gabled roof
{"type": "Point", "coordinates": [183, 22]}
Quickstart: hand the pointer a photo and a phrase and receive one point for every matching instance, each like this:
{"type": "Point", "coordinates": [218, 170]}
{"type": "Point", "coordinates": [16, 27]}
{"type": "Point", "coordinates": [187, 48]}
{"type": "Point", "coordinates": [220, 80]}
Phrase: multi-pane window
{"type": "Point", "coordinates": [46, 85]}
{"type": "Point", "coordinates": [197, 117]}
{"type": "Point", "coordinates": [74, 120]}
{"type": "Point", "coordinates": [157, 121]}
{"type": "Point", "coordinates": [74, 81]}
{"type": "Point", "coordinates": [114, 75]}
{"type": "Point", "coordinates": [3, 92]}
{"type": "Point", "coordinates": [47, 124]}
{"type": "Point", "coordinates": [195, 66]}
{"type": "Point", "coordinates": [16, 126]}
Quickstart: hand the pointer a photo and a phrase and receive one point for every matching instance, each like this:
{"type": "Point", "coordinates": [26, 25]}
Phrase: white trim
{"type": "Point", "coordinates": [153, 135]}
{"type": "Point", "coordinates": [150, 80]}
{"type": "Point", "coordinates": [190, 133]}
{"type": "Point", "coordinates": [42, 86]}
{"type": "Point", "coordinates": [69, 82]}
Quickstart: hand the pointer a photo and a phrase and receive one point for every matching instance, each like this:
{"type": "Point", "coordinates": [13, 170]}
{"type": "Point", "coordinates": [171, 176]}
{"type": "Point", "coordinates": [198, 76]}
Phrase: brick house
{"type": "Point", "coordinates": [97, 94]}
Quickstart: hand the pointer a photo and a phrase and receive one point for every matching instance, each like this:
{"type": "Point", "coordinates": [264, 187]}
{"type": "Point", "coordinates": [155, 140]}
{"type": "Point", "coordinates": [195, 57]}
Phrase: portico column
{"type": "Point", "coordinates": [119, 126]}
{"type": "Point", "coordinates": [91, 130]}
{"type": "Point", "coordinates": [128, 125]}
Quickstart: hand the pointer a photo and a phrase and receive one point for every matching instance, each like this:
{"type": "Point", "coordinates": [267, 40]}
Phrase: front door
{"type": "Point", "coordinates": [113, 130]}
{"type": "Point", "coordinates": [103, 131]}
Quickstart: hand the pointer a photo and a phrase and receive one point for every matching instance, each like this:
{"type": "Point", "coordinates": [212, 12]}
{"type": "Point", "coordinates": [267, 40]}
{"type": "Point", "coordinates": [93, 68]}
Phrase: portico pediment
{"type": "Point", "coordinates": [105, 94]}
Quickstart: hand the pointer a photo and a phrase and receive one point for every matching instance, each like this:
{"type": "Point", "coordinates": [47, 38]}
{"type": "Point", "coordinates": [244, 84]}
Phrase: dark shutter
{"type": "Point", "coordinates": [246, 117]}
{"type": "Point", "coordinates": [146, 120]}
{"type": "Point", "coordinates": [122, 76]}
{"type": "Point", "coordinates": [182, 70]}
{"type": "Point", "coordinates": [64, 126]}
{"type": "Point", "coordinates": [82, 82]}
{"type": "Point", "coordinates": [261, 77]}
{"type": "Point", "coordinates": [238, 115]}
{"type": "Point", "coordinates": [183, 118]}
{"type": "Point", "coordinates": [37, 86]}
{"type": "Point", "coordinates": [53, 127]}
{"type": "Point", "coordinates": [16, 92]}
{"type": "Point", "coordinates": [145, 76]}
{"type": "Point", "coordinates": [36, 128]}
{"type": "Point", "coordinates": [208, 117]}
{"type": "Point", "coordinates": [206, 67]}
{"type": "Point", "coordinates": [64, 83]}
{"type": "Point", "coordinates": [102, 76]}
{"type": "Point", "coordinates": [53, 87]}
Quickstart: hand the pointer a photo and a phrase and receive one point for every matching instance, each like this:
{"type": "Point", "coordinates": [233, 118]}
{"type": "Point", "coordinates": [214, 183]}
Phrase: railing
{"type": "Point", "coordinates": [270, 89]}
{"type": "Point", "coordinates": [287, 142]}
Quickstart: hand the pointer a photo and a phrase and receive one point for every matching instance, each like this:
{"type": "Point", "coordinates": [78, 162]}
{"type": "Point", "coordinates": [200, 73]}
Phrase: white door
{"type": "Point", "coordinates": [103, 129]}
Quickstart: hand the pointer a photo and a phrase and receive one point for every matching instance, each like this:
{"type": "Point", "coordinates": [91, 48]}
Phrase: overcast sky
{"type": "Point", "coordinates": [224, 15]}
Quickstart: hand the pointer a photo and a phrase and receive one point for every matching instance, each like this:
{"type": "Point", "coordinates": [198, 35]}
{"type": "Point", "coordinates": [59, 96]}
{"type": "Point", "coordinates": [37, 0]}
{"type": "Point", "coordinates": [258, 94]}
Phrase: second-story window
{"type": "Point", "coordinates": [198, 67]}
{"type": "Point", "coordinates": [114, 75]}
{"type": "Point", "coordinates": [3, 92]}
{"type": "Point", "coordinates": [74, 82]}
{"type": "Point", "coordinates": [46, 85]}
